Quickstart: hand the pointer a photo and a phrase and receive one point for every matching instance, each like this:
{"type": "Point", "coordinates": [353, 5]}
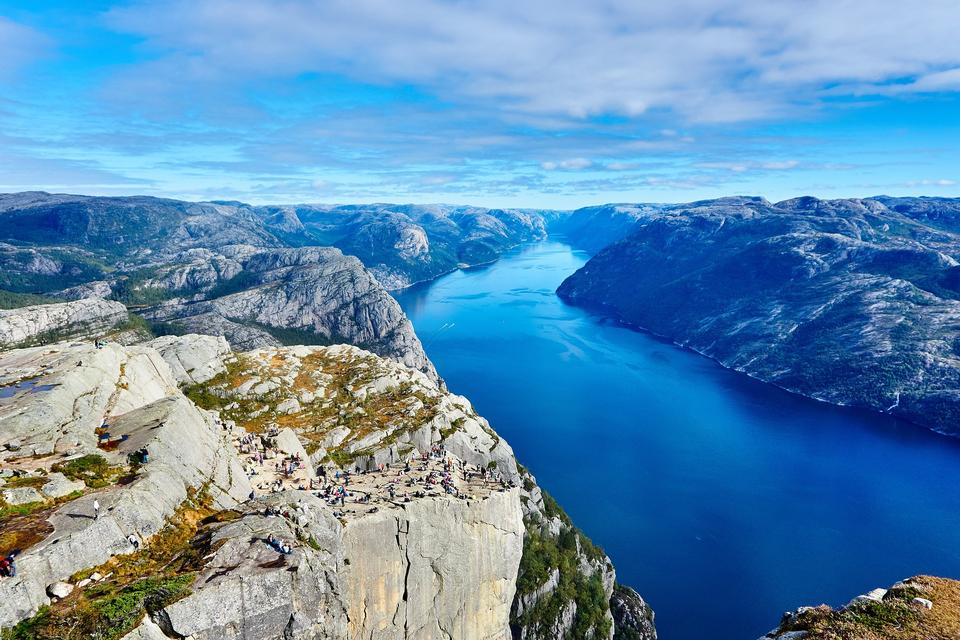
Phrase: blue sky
{"type": "Point", "coordinates": [499, 103]}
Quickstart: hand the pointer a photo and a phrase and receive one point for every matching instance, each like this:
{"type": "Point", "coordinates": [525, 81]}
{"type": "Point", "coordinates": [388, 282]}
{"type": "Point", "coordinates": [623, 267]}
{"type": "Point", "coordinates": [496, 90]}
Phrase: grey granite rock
{"type": "Point", "coordinates": [51, 322]}
{"type": "Point", "coordinates": [58, 486]}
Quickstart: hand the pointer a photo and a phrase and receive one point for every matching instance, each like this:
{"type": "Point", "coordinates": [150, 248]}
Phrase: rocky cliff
{"type": "Point", "coordinates": [405, 514]}
{"type": "Point", "coordinates": [38, 324]}
{"type": "Point", "coordinates": [852, 301]}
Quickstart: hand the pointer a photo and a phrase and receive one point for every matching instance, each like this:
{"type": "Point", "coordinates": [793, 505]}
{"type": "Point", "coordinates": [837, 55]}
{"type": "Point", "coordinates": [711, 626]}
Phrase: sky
{"type": "Point", "coordinates": [531, 103]}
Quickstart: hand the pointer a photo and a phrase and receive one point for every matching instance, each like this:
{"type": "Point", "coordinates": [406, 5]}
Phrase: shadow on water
{"type": "Point", "coordinates": [723, 500]}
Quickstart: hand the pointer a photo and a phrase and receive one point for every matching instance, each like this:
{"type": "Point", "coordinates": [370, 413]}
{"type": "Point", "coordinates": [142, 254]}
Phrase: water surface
{"type": "Point", "coordinates": [722, 500]}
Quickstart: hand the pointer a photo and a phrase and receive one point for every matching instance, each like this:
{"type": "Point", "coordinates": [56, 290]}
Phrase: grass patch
{"type": "Point", "coordinates": [93, 469]}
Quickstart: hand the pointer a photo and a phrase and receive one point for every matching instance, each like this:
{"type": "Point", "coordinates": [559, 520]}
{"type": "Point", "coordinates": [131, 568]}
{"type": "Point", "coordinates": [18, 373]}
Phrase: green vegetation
{"type": "Point", "coordinates": [13, 510]}
{"type": "Point", "coordinates": [333, 381]}
{"type": "Point", "coordinates": [239, 282]}
{"type": "Point", "coordinates": [104, 612]}
{"type": "Point", "coordinates": [25, 481]}
{"type": "Point", "coordinates": [542, 554]}
{"type": "Point", "coordinates": [93, 469]}
{"type": "Point", "coordinates": [12, 300]}
{"type": "Point", "coordinates": [134, 323]}
{"type": "Point", "coordinates": [292, 336]}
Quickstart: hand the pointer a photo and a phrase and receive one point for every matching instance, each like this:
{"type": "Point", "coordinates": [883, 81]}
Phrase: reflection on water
{"type": "Point", "coordinates": [723, 500]}
{"type": "Point", "coordinates": [31, 386]}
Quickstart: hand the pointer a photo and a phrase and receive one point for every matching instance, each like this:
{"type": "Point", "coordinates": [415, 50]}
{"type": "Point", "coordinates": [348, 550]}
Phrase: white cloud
{"type": "Point", "coordinates": [708, 60]}
{"type": "Point", "coordinates": [573, 164]}
{"type": "Point", "coordinates": [943, 182]}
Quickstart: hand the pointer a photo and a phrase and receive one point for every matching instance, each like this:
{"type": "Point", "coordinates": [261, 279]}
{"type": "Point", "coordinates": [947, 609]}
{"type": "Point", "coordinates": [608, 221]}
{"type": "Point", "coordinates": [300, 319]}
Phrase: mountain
{"type": "Point", "coordinates": [258, 275]}
{"type": "Point", "coordinates": [854, 302]}
{"type": "Point", "coordinates": [593, 228]}
{"type": "Point", "coordinates": [406, 244]}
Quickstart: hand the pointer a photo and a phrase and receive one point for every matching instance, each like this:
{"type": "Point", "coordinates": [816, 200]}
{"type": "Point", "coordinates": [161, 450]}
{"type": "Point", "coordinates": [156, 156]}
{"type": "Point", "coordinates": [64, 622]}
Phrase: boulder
{"type": "Point", "coordinates": [21, 495]}
{"type": "Point", "coordinates": [922, 602]}
{"type": "Point", "coordinates": [193, 358]}
{"type": "Point", "coordinates": [59, 589]}
{"type": "Point", "coordinates": [58, 485]}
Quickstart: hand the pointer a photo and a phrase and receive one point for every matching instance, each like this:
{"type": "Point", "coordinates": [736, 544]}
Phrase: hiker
{"type": "Point", "coordinates": [96, 509]}
{"type": "Point", "coordinates": [8, 565]}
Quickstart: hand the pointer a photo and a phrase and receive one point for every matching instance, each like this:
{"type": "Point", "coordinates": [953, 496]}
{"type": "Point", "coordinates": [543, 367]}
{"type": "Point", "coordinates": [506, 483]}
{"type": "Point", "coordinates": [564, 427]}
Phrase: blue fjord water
{"type": "Point", "coordinates": [722, 500]}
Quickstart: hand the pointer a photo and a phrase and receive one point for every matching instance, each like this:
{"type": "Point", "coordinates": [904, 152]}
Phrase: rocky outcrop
{"type": "Point", "coordinates": [456, 585]}
{"type": "Point", "coordinates": [632, 616]}
{"type": "Point", "coordinates": [386, 413]}
{"type": "Point", "coordinates": [194, 358]}
{"type": "Point", "coordinates": [919, 607]}
{"type": "Point", "coordinates": [433, 562]}
{"type": "Point", "coordinates": [44, 323]}
{"type": "Point", "coordinates": [436, 568]}
{"type": "Point", "coordinates": [854, 302]}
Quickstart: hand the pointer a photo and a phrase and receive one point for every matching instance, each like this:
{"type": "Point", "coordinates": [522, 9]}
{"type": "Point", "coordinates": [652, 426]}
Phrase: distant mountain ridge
{"type": "Point", "coordinates": [261, 276]}
{"type": "Point", "coordinates": [854, 302]}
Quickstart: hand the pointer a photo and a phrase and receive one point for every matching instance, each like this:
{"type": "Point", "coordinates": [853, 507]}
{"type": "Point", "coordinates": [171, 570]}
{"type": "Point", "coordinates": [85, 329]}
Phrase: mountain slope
{"type": "Point", "coordinates": [849, 301]}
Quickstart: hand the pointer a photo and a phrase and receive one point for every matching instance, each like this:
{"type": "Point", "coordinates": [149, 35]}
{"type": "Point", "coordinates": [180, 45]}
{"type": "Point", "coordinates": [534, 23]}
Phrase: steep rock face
{"type": "Point", "coordinates": [58, 321]}
{"type": "Point", "coordinates": [851, 302]}
{"type": "Point", "coordinates": [593, 228]}
{"type": "Point", "coordinates": [632, 616]}
{"type": "Point", "coordinates": [456, 585]}
{"type": "Point", "coordinates": [434, 569]}
{"type": "Point", "coordinates": [421, 563]}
